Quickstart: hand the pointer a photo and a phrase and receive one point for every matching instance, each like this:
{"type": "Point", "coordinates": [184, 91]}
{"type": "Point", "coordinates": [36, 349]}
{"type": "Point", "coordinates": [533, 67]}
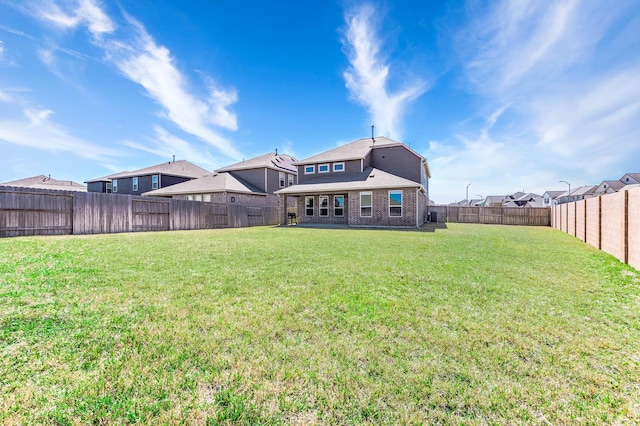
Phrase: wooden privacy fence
{"type": "Point", "coordinates": [610, 223]}
{"type": "Point", "coordinates": [539, 216]}
{"type": "Point", "coordinates": [25, 211]}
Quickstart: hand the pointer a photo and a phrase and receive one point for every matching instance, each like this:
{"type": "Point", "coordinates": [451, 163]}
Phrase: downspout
{"type": "Point", "coordinates": [266, 189]}
{"type": "Point", "coordinates": [417, 208]}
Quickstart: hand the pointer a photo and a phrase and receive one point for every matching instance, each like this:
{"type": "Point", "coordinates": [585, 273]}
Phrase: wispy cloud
{"type": "Point", "coordinates": [134, 52]}
{"type": "Point", "coordinates": [81, 12]}
{"type": "Point", "coordinates": [570, 87]}
{"type": "Point", "coordinates": [368, 76]}
{"type": "Point", "coordinates": [152, 66]}
{"type": "Point", "coordinates": [165, 144]}
{"type": "Point", "coordinates": [37, 130]}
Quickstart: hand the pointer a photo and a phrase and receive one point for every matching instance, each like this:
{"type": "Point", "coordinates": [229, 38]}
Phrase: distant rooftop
{"type": "Point", "coordinates": [180, 168]}
{"type": "Point", "coordinates": [46, 182]}
{"type": "Point", "coordinates": [271, 161]}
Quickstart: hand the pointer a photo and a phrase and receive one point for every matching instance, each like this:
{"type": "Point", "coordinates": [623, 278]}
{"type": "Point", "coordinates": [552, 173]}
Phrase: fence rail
{"type": "Point", "coordinates": [25, 211]}
{"type": "Point", "coordinates": [494, 215]}
{"type": "Point", "coordinates": [610, 223]}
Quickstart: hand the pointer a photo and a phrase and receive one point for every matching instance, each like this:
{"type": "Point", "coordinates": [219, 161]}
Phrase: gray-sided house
{"type": "Point", "coordinates": [46, 182]}
{"type": "Point", "coordinates": [144, 180]}
{"type": "Point", "coordinates": [249, 182]}
{"type": "Point", "coordinates": [372, 182]}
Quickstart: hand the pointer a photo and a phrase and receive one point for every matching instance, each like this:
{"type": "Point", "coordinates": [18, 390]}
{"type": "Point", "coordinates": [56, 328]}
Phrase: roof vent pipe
{"type": "Point", "coordinates": [174, 158]}
{"type": "Point", "coordinates": [372, 138]}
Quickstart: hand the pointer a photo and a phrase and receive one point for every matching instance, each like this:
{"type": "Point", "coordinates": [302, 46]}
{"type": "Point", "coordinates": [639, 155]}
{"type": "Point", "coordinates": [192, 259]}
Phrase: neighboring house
{"type": "Point", "coordinates": [550, 198]}
{"type": "Point", "coordinates": [269, 173]}
{"type": "Point", "coordinates": [579, 193]}
{"type": "Point", "coordinates": [214, 188]}
{"type": "Point", "coordinates": [250, 182]}
{"type": "Point", "coordinates": [609, 187]}
{"type": "Point", "coordinates": [493, 201]}
{"type": "Point", "coordinates": [529, 200]}
{"type": "Point", "coordinates": [631, 179]}
{"type": "Point", "coordinates": [369, 182]}
{"type": "Point", "coordinates": [148, 179]}
{"type": "Point", "coordinates": [46, 182]}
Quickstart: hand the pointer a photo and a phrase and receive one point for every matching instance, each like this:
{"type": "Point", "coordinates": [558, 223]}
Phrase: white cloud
{"type": "Point", "coordinates": [83, 12]}
{"type": "Point", "coordinates": [37, 130]}
{"type": "Point", "coordinates": [140, 59]}
{"type": "Point", "coordinates": [367, 77]}
{"type": "Point", "coordinates": [564, 90]}
{"type": "Point", "coordinates": [152, 66]}
{"type": "Point", "coordinates": [1, 50]}
{"type": "Point", "coordinates": [167, 145]}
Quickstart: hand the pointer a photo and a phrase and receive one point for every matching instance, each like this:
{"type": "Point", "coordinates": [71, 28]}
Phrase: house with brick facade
{"type": "Point", "coordinates": [139, 181]}
{"type": "Point", "coordinates": [372, 182]}
{"type": "Point", "coordinates": [249, 182]}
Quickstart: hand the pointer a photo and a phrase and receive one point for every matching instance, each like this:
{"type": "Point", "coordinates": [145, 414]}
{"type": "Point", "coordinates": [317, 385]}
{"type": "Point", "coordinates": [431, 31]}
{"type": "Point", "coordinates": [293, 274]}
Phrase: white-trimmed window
{"type": "Point", "coordinates": [338, 205]}
{"type": "Point", "coordinates": [108, 188]}
{"type": "Point", "coordinates": [323, 204]}
{"type": "Point", "coordinates": [155, 179]}
{"type": "Point", "coordinates": [281, 179]}
{"type": "Point", "coordinates": [338, 167]}
{"type": "Point", "coordinates": [395, 203]}
{"type": "Point", "coordinates": [115, 185]}
{"type": "Point", "coordinates": [308, 206]}
{"type": "Point", "coordinates": [366, 203]}
{"type": "Point", "coordinates": [309, 170]}
{"type": "Point", "coordinates": [290, 180]}
{"type": "Point", "coordinates": [323, 168]}
{"type": "Point", "coordinates": [135, 183]}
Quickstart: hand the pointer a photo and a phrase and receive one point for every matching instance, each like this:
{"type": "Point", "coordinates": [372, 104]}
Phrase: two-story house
{"type": "Point", "coordinates": [375, 182]}
{"type": "Point", "coordinates": [144, 180]}
{"type": "Point", "coordinates": [249, 182]}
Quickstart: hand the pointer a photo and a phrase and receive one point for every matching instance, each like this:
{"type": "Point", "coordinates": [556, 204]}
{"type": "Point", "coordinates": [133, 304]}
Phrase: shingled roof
{"type": "Point", "coordinates": [46, 182]}
{"type": "Point", "coordinates": [218, 182]}
{"type": "Point", "coordinates": [370, 178]}
{"type": "Point", "coordinates": [281, 162]}
{"type": "Point", "coordinates": [352, 151]}
{"type": "Point", "coordinates": [180, 168]}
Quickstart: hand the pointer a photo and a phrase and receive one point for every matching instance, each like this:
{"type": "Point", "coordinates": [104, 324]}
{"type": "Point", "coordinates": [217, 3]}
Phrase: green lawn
{"type": "Point", "coordinates": [472, 324]}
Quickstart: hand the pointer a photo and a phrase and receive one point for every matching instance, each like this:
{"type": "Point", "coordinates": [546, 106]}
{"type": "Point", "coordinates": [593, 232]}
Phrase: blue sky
{"type": "Point", "coordinates": [505, 95]}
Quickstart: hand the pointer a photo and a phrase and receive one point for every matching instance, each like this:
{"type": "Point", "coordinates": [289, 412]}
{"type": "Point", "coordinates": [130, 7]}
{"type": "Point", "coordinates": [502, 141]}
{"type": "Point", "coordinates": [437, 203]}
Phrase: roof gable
{"type": "Point", "coordinates": [351, 151]}
{"type": "Point", "coordinates": [218, 182]}
{"type": "Point", "coordinates": [271, 160]}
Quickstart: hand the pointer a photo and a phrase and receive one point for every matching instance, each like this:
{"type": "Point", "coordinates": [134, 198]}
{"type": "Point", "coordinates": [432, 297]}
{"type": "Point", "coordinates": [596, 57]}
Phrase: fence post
{"type": "Point", "coordinates": [626, 227]}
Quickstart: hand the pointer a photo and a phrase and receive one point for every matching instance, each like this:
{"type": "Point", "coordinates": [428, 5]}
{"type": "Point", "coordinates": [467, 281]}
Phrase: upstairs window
{"type": "Point", "coordinates": [281, 179]}
{"type": "Point", "coordinates": [365, 204]}
{"type": "Point", "coordinates": [324, 205]}
{"type": "Point", "coordinates": [308, 206]}
{"type": "Point", "coordinates": [309, 170]}
{"type": "Point", "coordinates": [108, 188]}
{"type": "Point", "coordinates": [290, 180]}
{"type": "Point", "coordinates": [338, 167]}
{"type": "Point", "coordinates": [135, 184]}
{"type": "Point", "coordinates": [154, 181]}
{"type": "Point", "coordinates": [115, 185]}
{"type": "Point", "coordinates": [323, 168]}
{"type": "Point", "coordinates": [395, 203]}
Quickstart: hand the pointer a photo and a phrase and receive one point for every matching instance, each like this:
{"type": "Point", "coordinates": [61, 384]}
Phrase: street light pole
{"type": "Point", "coordinates": [569, 193]}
